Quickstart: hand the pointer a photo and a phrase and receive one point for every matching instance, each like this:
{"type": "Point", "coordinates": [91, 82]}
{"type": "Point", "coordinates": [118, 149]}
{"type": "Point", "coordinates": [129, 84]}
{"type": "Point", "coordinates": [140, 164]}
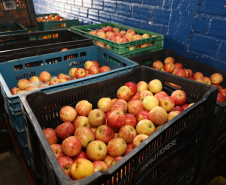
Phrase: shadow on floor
{"type": "Point", "coordinates": [12, 170]}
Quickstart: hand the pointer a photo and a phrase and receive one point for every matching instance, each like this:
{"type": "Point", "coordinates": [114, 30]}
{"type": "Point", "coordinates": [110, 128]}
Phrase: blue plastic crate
{"type": "Point", "coordinates": [56, 63]}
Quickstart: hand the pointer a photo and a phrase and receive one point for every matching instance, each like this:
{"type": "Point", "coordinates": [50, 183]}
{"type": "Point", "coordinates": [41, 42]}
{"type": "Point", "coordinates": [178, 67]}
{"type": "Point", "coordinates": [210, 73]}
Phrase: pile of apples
{"type": "Point", "coordinates": [120, 36]}
{"type": "Point", "coordinates": [51, 17]}
{"type": "Point", "coordinates": [45, 79]}
{"type": "Point", "coordinates": [170, 66]}
{"type": "Point", "coordinates": [90, 139]}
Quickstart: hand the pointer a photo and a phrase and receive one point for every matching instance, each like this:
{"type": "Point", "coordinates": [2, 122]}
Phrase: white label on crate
{"type": "Point", "coordinates": [159, 153]}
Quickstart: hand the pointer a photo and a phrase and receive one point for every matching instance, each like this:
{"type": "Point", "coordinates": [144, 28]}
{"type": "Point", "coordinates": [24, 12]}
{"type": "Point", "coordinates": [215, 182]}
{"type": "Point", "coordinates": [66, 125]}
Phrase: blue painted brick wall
{"type": "Point", "coordinates": [192, 28]}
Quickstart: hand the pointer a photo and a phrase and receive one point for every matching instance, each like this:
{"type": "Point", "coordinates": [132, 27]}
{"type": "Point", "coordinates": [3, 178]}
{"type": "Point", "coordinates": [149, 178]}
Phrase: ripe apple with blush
{"type": "Point", "coordinates": [198, 75]}
{"type": "Point", "coordinates": [81, 121]}
{"type": "Point", "coordinates": [145, 126]}
{"type": "Point", "coordinates": [14, 90]}
{"type": "Point", "coordinates": [144, 94]}
{"type": "Point", "coordinates": [116, 119]}
{"type": "Point", "coordinates": [50, 135]}
{"type": "Point", "coordinates": [65, 163]}
{"type": "Point", "coordinates": [141, 86]}
{"type": "Point", "coordinates": [169, 60]}
{"type": "Point", "coordinates": [139, 139]}
{"type": "Point", "coordinates": [169, 67]}
{"type": "Point", "coordinates": [108, 159]}
{"type": "Point", "coordinates": [129, 148]}
{"type": "Point", "coordinates": [135, 106]}
{"type": "Point", "coordinates": [85, 135]}
{"type": "Point", "coordinates": [104, 69]}
{"type": "Point", "coordinates": [93, 70]}
{"type": "Point", "coordinates": [150, 102]}
{"type": "Point", "coordinates": [104, 104]}
{"type": "Point", "coordinates": [61, 76]}
{"type": "Point", "coordinates": [135, 97]}
{"type": "Point", "coordinates": [44, 76]}
{"type": "Point", "coordinates": [72, 72]}
{"type": "Point", "coordinates": [115, 160]}
{"type": "Point", "coordinates": [178, 108]}
{"type": "Point", "coordinates": [116, 147]}
{"type": "Point", "coordinates": [57, 150]}
{"type": "Point", "coordinates": [80, 73]}
{"type": "Point", "coordinates": [158, 115]}
{"type": "Point", "coordinates": [68, 114]}
{"type": "Point", "coordinates": [220, 97]}
{"type": "Point", "coordinates": [206, 80]}
{"type": "Point", "coordinates": [82, 154]}
{"type": "Point", "coordinates": [179, 97]}
{"type": "Point", "coordinates": [100, 166]}
{"type": "Point", "coordinates": [216, 78]}
{"type": "Point", "coordinates": [124, 92]}
{"type": "Point", "coordinates": [54, 81]}
{"type": "Point", "coordinates": [172, 114]}
{"type": "Point", "coordinates": [223, 92]}
{"type": "Point", "coordinates": [83, 108]}
{"type": "Point", "coordinates": [96, 150]}
{"type": "Point", "coordinates": [180, 72]}
{"type": "Point", "coordinates": [71, 146]}
{"type": "Point", "coordinates": [88, 64]}
{"type": "Point", "coordinates": [34, 79]}
{"type": "Point", "coordinates": [104, 133]}
{"type": "Point", "coordinates": [178, 66]}
{"type": "Point", "coordinates": [65, 130]}
{"type": "Point", "coordinates": [144, 114]}
{"type": "Point", "coordinates": [127, 133]}
{"type": "Point", "coordinates": [155, 86]}
{"type": "Point", "coordinates": [96, 118]}
{"type": "Point", "coordinates": [167, 103]}
{"type": "Point", "coordinates": [157, 65]}
{"type": "Point", "coordinates": [132, 86]}
{"type": "Point", "coordinates": [130, 119]}
{"type": "Point", "coordinates": [160, 94]}
{"type": "Point", "coordinates": [23, 83]}
{"type": "Point", "coordinates": [96, 63]}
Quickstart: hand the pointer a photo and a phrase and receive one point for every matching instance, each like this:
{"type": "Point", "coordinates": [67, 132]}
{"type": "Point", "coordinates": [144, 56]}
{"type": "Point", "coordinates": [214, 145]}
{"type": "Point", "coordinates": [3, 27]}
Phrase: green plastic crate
{"type": "Point", "coordinates": [12, 28]}
{"type": "Point", "coordinates": [43, 26]}
{"type": "Point", "coordinates": [155, 43]}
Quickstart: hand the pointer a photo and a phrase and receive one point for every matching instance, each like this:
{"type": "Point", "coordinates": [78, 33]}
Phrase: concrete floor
{"type": "Point", "coordinates": [12, 170]}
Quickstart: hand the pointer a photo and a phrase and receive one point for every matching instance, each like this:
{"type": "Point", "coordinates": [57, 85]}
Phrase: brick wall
{"type": "Point", "coordinates": [193, 28]}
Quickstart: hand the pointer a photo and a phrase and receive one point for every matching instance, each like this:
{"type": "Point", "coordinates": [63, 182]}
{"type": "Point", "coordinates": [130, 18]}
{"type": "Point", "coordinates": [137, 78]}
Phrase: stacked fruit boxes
{"type": "Point", "coordinates": [150, 42]}
{"type": "Point", "coordinates": [54, 63]}
{"type": "Point", "coordinates": [163, 158]}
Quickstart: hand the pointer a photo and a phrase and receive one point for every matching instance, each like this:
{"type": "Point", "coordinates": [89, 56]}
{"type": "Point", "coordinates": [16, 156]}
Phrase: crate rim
{"type": "Point", "coordinates": [126, 158]}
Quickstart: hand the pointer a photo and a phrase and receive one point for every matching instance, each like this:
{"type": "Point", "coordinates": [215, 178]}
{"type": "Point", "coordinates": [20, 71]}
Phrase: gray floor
{"type": "Point", "coordinates": [12, 171]}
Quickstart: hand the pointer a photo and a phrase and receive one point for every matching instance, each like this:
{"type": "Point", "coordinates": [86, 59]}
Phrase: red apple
{"type": "Point", "coordinates": [85, 135]}
{"type": "Point", "coordinates": [93, 70]}
{"type": "Point", "coordinates": [223, 92]}
{"type": "Point", "coordinates": [96, 118]}
{"type": "Point", "coordinates": [206, 80]}
{"type": "Point", "coordinates": [160, 94]}
{"type": "Point", "coordinates": [65, 163]}
{"type": "Point", "coordinates": [178, 66]}
{"type": "Point", "coordinates": [57, 150]}
{"type": "Point", "coordinates": [80, 73]}
{"type": "Point", "coordinates": [50, 136]}
{"type": "Point", "coordinates": [172, 114]}
{"type": "Point", "coordinates": [14, 90]}
{"type": "Point", "coordinates": [68, 114]}
{"type": "Point", "coordinates": [157, 64]}
{"type": "Point", "coordinates": [81, 168]}
{"type": "Point", "coordinates": [190, 73]}
{"type": "Point", "coordinates": [83, 108]}
{"type": "Point", "coordinates": [109, 28]}
{"type": "Point", "coordinates": [65, 130]}
{"type": "Point", "coordinates": [100, 166]}
{"type": "Point", "coordinates": [185, 106]}
{"type": "Point", "coordinates": [116, 29]}
{"type": "Point", "coordinates": [116, 119]}
{"type": "Point", "coordinates": [169, 60]}
{"type": "Point", "coordinates": [158, 115]}
{"type": "Point", "coordinates": [96, 63]}
{"type": "Point", "coordinates": [178, 108]}
{"type": "Point", "coordinates": [129, 148]}
{"type": "Point", "coordinates": [124, 92]}
{"type": "Point", "coordinates": [131, 31]}
{"type": "Point", "coordinates": [135, 97]}
{"type": "Point", "coordinates": [44, 76]}
{"type": "Point", "coordinates": [104, 69]}
{"type": "Point", "coordinates": [169, 67]}
{"type": "Point", "coordinates": [141, 86]}
{"type": "Point", "coordinates": [54, 81]}
{"type": "Point", "coordinates": [71, 146]}
{"type": "Point", "coordinates": [135, 106]}
{"type": "Point", "coordinates": [144, 94]}
{"type": "Point", "coordinates": [62, 76]}
{"type": "Point", "coordinates": [96, 150]}
{"type": "Point", "coordinates": [88, 64]}
{"type": "Point", "coordinates": [129, 36]}
{"type": "Point", "coordinates": [23, 83]}
{"type": "Point", "coordinates": [179, 97]}
{"type": "Point", "coordinates": [127, 133]}
{"type": "Point", "coordinates": [82, 154]}
{"type": "Point", "coordinates": [116, 147]}
{"type": "Point", "coordinates": [115, 160]}
{"type": "Point", "coordinates": [220, 97]}
{"type": "Point", "coordinates": [216, 78]}
{"type": "Point", "coordinates": [145, 126]}
{"type": "Point", "coordinates": [110, 33]}
{"type": "Point", "coordinates": [132, 86]}
{"type": "Point", "coordinates": [104, 133]}
{"type": "Point", "coordinates": [130, 120]}
{"type": "Point", "coordinates": [144, 114]}
{"type": "Point", "coordinates": [180, 72]}
{"type": "Point", "coordinates": [118, 105]}
{"type": "Point", "coordinates": [198, 75]}
{"type": "Point", "coordinates": [167, 103]}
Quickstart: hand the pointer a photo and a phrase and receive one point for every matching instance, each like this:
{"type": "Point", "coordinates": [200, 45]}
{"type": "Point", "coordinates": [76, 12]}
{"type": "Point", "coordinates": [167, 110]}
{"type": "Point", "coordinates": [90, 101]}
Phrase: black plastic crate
{"type": "Point", "coordinates": [150, 162]}
{"type": "Point", "coordinates": [21, 11]}
{"type": "Point", "coordinates": [12, 28]}
{"type": "Point", "coordinates": [17, 46]}
{"type": "Point", "coordinates": [220, 110]}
